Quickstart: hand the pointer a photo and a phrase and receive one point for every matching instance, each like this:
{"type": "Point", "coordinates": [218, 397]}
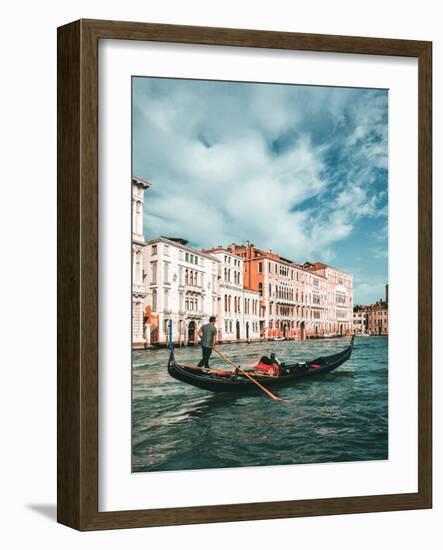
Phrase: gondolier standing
{"type": "Point", "coordinates": [208, 338]}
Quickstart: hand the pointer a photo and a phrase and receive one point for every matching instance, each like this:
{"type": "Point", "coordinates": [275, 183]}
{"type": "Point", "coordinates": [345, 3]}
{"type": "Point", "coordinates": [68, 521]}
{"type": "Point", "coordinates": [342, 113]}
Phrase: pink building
{"type": "Point", "coordinates": [297, 301]}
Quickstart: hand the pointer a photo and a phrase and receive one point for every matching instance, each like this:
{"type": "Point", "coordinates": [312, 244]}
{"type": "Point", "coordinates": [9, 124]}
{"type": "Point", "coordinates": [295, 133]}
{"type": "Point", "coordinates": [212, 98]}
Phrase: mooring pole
{"type": "Point", "coordinates": [170, 334]}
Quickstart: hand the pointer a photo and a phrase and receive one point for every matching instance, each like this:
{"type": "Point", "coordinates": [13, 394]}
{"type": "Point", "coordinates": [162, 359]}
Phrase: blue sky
{"type": "Point", "coordinates": [300, 170]}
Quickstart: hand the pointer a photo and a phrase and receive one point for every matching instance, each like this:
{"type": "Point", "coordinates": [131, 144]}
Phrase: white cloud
{"type": "Point", "coordinates": [218, 175]}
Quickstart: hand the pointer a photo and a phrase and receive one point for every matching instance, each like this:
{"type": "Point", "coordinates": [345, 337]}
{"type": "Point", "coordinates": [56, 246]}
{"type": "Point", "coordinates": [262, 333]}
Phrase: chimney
{"type": "Point", "coordinates": [233, 248]}
{"type": "Point", "coordinates": [252, 249]}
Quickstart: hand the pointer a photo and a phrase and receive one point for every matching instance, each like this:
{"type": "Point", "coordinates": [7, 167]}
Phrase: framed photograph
{"type": "Point", "coordinates": [244, 275]}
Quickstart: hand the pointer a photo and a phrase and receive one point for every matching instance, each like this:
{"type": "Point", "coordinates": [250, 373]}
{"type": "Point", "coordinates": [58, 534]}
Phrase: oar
{"type": "Point", "coordinates": [271, 395]}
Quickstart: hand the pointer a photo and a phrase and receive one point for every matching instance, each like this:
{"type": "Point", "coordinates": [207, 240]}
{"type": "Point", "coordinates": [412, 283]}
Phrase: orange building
{"type": "Point", "coordinates": [308, 301]}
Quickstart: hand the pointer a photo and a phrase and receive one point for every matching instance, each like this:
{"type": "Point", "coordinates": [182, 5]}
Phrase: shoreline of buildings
{"type": "Point", "coordinates": [372, 320]}
{"type": "Point", "coordinates": [255, 294]}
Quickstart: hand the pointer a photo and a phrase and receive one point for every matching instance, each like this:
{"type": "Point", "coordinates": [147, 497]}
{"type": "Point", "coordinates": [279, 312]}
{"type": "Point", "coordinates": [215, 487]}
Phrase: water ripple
{"type": "Point", "coordinates": [340, 417]}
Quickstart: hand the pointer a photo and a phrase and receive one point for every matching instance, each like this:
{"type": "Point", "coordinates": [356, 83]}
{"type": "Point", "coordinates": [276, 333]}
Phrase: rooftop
{"type": "Point", "coordinates": [142, 182]}
{"type": "Point", "coordinates": [177, 244]}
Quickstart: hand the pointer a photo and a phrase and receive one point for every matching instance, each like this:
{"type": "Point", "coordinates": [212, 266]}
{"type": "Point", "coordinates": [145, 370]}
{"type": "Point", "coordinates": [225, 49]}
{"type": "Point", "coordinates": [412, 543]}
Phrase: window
{"type": "Point", "coordinates": [154, 272]}
{"type": "Point", "coordinates": [260, 289]}
{"type": "Point", "coordinates": [166, 307]}
{"type": "Point", "coordinates": [166, 272]}
{"type": "Point", "coordinates": [138, 268]}
{"type": "Point", "coordinates": [187, 256]}
{"type": "Point", "coordinates": [154, 249]}
{"type": "Point", "coordinates": [166, 250]}
{"type": "Point", "coordinates": [154, 300]}
{"type": "Point", "coordinates": [260, 267]}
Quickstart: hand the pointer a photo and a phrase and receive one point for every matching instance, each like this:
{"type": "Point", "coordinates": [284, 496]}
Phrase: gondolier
{"type": "Point", "coordinates": [208, 339]}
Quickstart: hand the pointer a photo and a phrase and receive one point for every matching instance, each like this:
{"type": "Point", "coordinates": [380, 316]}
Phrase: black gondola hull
{"type": "Point", "coordinates": [239, 384]}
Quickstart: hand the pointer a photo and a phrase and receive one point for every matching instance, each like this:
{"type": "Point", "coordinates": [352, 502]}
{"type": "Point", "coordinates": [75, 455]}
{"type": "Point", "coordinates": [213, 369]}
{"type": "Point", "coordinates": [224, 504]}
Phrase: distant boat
{"type": "Point", "coordinates": [228, 381]}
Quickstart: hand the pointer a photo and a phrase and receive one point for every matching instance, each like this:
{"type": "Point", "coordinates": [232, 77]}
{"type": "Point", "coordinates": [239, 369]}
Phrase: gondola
{"type": "Point", "coordinates": [228, 381]}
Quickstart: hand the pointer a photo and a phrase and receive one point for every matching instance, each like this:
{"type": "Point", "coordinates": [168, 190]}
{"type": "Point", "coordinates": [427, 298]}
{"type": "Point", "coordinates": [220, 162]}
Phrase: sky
{"type": "Point", "coordinates": [299, 170]}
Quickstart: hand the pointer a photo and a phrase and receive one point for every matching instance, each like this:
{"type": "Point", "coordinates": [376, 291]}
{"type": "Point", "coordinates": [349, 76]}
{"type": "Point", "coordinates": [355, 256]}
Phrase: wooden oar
{"type": "Point", "coordinates": [271, 395]}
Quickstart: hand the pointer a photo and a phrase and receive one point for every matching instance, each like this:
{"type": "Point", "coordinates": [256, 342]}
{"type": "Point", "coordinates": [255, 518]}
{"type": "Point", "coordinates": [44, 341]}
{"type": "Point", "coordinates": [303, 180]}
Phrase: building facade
{"type": "Point", "coordinates": [361, 320]}
{"type": "Point", "coordinates": [180, 285]}
{"type": "Point", "coordinates": [138, 243]}
{"type": "Point", "coordinates": [254, 294]}
{"type": "Point", "coordinates": [339, 297]}
{"type": "Point", "coordinates": [238, 307]}
{"type": "Point", "coordinates": [309, 301]}
{"type": "Point", "coordinates": [378, 319]}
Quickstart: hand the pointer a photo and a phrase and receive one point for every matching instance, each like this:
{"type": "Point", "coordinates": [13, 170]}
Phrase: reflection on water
{"type": "Point", "coordinates": [342, 416]}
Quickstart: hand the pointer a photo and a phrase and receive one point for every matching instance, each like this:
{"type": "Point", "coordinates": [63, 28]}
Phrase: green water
{"type": "Point", "coordinates": [338, 417]}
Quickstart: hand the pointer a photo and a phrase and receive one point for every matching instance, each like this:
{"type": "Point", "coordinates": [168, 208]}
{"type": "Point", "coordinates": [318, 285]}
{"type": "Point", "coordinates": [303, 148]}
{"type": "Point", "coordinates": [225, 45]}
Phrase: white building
{"type": "Point", "coordinates": [361, 320]}
{"type": "Point", "coordinates": [339, 298]}
{"type": "Point", "coordinates": [180, 285]}
{"type": "Point", "coordinates": [238, 307]}
{"type": "Point", "coordinates": [138, 242]}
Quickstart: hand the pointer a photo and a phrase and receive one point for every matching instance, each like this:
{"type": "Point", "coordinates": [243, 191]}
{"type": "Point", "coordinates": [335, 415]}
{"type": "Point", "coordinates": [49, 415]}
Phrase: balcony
{"type": "Point", "coordinates": [284, 301]}
{"type": "Point", "coordinates": [194, 313]}
{"type": "Point", "coordinates": [193, 288]}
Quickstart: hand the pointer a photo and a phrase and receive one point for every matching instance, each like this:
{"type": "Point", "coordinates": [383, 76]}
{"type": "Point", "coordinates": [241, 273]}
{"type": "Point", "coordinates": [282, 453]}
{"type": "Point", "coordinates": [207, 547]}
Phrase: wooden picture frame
{"type": "Point", "coordinates": [78, 274]}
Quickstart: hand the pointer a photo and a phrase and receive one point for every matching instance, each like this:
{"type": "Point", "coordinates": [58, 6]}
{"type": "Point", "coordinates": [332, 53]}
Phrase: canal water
{"type": "Point", "coordinates": [338, 417]}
